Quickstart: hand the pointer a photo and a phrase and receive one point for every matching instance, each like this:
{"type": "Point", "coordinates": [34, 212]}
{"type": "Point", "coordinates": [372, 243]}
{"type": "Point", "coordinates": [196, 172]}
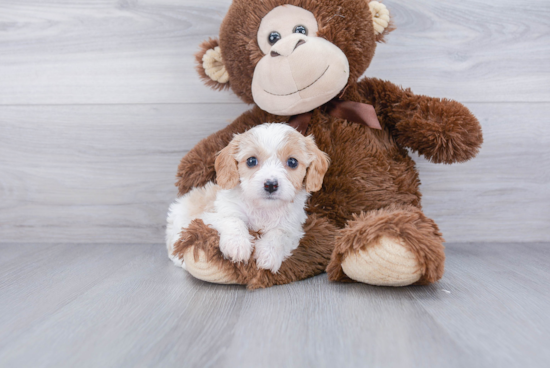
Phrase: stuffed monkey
{"type": "Point", "coordinates": [299, 63]}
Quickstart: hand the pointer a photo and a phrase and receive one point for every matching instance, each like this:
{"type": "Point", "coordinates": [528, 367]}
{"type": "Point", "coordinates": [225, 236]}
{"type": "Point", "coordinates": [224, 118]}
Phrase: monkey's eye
{"type": "Point", "coordinates": [292, 163]}
{"type": "Point", "coordinates": [251, 162]}
{"type": "Point", "coordinates": [300, 29]}
{"type": "Point", "coordinates": [274, 37]}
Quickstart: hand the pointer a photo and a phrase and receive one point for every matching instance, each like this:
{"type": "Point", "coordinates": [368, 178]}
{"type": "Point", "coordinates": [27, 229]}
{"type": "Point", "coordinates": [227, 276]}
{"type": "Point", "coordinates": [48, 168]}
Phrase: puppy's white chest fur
{"type": "Point", "coordinates": [279, 223]}
{"type": "Point", "coordinates": [263, 217]}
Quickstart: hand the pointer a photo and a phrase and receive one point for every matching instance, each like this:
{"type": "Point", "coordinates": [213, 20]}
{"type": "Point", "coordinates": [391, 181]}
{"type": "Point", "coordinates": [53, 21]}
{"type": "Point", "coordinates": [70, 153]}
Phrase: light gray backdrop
{"type": "Point", "coordinates": [99, 100]}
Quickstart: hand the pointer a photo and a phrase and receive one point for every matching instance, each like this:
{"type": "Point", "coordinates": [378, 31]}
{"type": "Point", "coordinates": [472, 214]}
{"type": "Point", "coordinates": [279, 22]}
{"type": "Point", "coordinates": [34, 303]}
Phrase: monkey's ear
{"type": "Point", "coordinates": [380, 20]}
{"type": "Point", "coordinates": [210, 65]}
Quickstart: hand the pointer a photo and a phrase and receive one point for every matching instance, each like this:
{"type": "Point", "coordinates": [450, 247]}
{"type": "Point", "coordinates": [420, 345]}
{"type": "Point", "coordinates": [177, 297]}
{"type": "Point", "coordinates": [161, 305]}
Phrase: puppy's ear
{"type": "Point", "coordinates": [319, 166]}
{"type": "Point", "coordinates": [227, 170]}
{"type": "Point", "coordinates": [210, 65]}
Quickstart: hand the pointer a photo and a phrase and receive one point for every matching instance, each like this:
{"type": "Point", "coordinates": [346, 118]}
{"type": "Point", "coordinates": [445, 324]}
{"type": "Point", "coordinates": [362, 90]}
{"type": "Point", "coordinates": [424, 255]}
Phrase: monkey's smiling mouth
{"type": "Point", "coordinates": [300, 90]}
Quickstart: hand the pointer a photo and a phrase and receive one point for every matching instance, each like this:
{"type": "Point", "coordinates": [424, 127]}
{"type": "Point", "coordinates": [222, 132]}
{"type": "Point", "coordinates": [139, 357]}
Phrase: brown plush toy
{"type": "Point", "coordinates": [299, 62]}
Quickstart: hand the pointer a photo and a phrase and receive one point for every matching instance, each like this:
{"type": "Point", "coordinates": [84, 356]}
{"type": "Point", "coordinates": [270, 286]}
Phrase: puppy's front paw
{"type": "Point", "coordinates": [267, 256]}
{"type": "Point", "coordinates": [236, 247]}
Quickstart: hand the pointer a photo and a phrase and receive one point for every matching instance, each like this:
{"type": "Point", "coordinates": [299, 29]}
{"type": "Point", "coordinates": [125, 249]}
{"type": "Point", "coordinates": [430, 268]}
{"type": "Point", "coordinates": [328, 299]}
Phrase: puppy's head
{"type": "Point", "coordinates": [272, 162]}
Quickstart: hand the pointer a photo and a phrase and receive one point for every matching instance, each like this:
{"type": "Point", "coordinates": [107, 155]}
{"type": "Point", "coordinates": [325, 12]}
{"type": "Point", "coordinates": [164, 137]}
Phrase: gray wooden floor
{"type": "Point", "coordinates": [126, 305]}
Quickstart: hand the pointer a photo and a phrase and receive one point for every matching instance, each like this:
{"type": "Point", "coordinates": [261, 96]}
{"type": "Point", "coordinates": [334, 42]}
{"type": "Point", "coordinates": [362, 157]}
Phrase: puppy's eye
{"type": "Point", "coordinates": [292, 163]}
{"type": "Point", "coordinates": [251, 162]}
{"type": "Point", "coordinates": [300, 29]}
{"type": "Point", "coordinates": [274, 37]}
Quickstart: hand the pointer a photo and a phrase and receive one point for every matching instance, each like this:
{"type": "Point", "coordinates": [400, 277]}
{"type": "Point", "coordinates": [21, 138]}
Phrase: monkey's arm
{"type": "Point", "coordinates": [442, 130]}
{"type": "Point", "coordinates": [197, 166]}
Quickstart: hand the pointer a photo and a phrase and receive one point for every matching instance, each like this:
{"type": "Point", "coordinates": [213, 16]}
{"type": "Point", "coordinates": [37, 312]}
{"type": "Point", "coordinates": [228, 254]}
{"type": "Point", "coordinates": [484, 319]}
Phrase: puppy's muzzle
{"type": "Point", "coordinates": [271, 186]}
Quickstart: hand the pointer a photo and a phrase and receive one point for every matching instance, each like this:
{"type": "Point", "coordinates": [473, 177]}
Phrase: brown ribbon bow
{"type": "Point", "coordinates": [356, 112]}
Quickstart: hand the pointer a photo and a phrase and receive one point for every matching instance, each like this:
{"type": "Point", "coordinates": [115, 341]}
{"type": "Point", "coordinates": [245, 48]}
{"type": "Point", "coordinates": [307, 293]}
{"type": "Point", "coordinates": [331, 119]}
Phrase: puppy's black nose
{"type": "Point", "coordinates": [271, 186]}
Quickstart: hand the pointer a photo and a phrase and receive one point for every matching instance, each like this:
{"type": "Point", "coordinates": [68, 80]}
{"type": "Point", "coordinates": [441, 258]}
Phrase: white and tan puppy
{"type": "Point", "coordinates": [264, 178]}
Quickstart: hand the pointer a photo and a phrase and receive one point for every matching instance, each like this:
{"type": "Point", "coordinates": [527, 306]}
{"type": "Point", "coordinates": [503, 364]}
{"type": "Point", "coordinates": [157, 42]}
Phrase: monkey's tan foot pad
{"type": "Point", "coordinates": [207, 271]}
{"type": "Point", "coordinates": [385, 263]}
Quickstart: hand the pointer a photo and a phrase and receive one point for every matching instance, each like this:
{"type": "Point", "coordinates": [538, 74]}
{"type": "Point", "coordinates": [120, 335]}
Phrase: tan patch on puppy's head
{"type": "Point", "coordinates": [227, 174]}
{"type": "Point", "coordinates": [295, 147]}
{"type": "Point", "coordinates": [250, 147]}
{"type": "Point", "coordinates": [312, 162]}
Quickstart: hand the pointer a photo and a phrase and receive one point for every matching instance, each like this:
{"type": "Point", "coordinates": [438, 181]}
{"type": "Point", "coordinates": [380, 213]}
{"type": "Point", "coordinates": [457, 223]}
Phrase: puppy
{"type": "Point", "coordinates": [264, 178]}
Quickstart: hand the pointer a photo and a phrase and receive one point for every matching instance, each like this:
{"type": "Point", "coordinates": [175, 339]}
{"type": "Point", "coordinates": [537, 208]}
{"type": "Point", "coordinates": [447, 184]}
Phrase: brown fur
{"type": "Point", "coordinates": [371, 187]}
{"type": "Point", "coordinates": [197, 166]}
{"type": "Point", "coordinates": [442, 130]}
{"type": "Point", "coordinates": [204, 47]}
{"type": "Point", "coordinates": [420, 234]}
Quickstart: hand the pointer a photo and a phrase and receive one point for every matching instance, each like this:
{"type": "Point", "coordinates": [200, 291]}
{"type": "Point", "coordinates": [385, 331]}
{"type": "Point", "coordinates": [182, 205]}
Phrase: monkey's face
{"type": "Point", "coordinates": [299, 71]}
{"type": "Point", "coordinates": [292, 56]}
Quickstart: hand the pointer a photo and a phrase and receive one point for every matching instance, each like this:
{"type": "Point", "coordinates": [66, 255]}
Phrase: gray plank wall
{"type": "Point", "coordinates": [99, 101]}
